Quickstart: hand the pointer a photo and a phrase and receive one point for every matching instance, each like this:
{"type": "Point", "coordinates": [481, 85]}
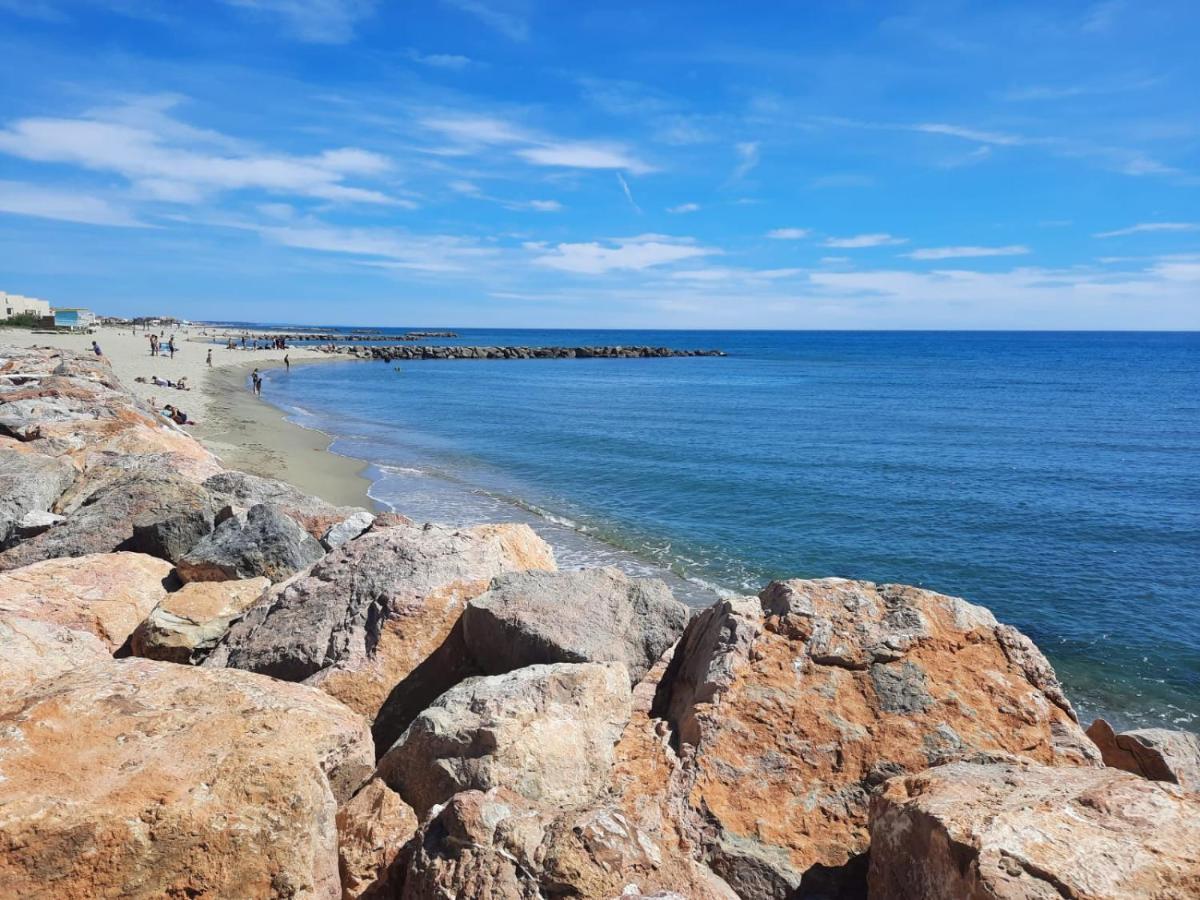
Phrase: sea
{"type": "Point", "coordinates": [1053, 477]}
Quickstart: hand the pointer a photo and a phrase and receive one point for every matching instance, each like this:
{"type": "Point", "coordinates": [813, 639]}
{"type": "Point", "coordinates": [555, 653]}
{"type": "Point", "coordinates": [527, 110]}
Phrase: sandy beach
{"type": "Point", "coordinates": [246, 432]}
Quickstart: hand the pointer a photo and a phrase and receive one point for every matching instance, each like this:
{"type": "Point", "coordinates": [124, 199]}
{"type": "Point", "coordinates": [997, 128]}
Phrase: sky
{"type": "Point", "coordinates": [527, 163]}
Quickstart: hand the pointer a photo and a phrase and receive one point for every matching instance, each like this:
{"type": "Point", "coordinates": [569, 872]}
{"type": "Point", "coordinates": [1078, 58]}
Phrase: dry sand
{"type": "Point", "coordinates": [246, 432]}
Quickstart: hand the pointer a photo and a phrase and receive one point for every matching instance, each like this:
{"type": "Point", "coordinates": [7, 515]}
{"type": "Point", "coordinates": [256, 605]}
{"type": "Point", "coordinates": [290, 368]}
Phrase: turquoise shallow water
{"type": "Point", "coordinates": [1052, 477]}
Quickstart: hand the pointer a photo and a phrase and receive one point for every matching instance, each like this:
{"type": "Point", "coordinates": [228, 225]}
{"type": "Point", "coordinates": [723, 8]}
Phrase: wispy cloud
{"type": "Point", "coordinates": [386, 247]}
{"type": "Point", "coordinates": [789, 234]}
{"type": "Point", "coordinates": [684, 208]}
{"type": "Point", "coordinates": [747, 152]}
{"type": "Point", "coordinates": [1143, 227]}
{"type": "Point", "coordinates": [966, 252]}
{"type": "Point", "coordinates": [314, 21]}
{"type": "Point", "coordinates": [440, 60]}
{"type": "Point", "coordinates": [628, 193]}
{"type": "Point", "coordinates": [1101, 16]}
{"type": "Point", "coordinates": [19, 198]}
{"type": "Point", "coordinates": [511, 26]}
{"type": "Point", "coordinates": [971, 134]}
{"type": "Point", "coordinates": [865, 240]}
{"type": "Point", "coordinates": [174, 163]}
{"type": "Point", "coordinates": [632, 254]}
{"type": "Point", "coordinates": [472, 132]}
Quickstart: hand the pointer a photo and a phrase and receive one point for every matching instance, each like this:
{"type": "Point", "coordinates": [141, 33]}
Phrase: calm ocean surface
{"type": "Point", "coordinates": [1053, 477]}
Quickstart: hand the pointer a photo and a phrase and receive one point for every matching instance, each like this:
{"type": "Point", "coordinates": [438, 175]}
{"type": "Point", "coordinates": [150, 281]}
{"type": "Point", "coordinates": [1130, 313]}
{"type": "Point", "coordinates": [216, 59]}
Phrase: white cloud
{"type": "Point", "coordinates": [966, 252]}
{"type": "Point", "coordinates": [747, 152]}
{"type": "Point", "coordinates": [865, 240]}
{"type": "Point", "coordinates": [389, 247]}
{"type": "Point", "coordinates": [24, 199]}
{"type": "Point", "coordinates": [684, 208]}
{"type": "Point", "coordinates": [509, 25]}
{"type": "Point", "coordinates": [440, 60]}
{"type": "Point", "coordinates": [618, 254]}
{"type": "Point", "coordinates": [315, 21]}
{"type": "Point", "coordinates": [970, 134]}
{"type": "Point", "coordinates": [1143, 227]}
{"type": "Point", "coordinates": [584, 155]}
{"type": "Point", "coordinates": [162, 165]}
{"type": "Point", "coordinates": [789, 234]}
{"type": "Point", "coordinates": [473, 129]}
{"type": "Point", "coordinates": [545, 205]}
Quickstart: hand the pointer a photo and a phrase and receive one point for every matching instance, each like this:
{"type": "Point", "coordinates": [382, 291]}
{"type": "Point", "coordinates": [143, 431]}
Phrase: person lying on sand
{"type": "Point", "coordinates": [176, 415]}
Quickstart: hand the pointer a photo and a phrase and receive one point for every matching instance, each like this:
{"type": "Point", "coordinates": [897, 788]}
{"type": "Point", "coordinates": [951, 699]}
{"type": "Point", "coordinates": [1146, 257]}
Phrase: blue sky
{"type": "Point", "coordinates": [684, 165]}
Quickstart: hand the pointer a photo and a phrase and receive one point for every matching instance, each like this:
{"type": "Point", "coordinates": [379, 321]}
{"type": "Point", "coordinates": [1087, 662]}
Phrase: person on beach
{"type": "Point", "coordinates": [96, 349]}
{"type": "Point", "coordinates": [256, 382]}
{"type": "Point", "coordinates": [171, 346]}
{"type": "Point", "coordinates": [209, 360]}
{"type": "Point", "coordinates": [153, 345]}
{"type": "Point", "coordinates": [287, 362]}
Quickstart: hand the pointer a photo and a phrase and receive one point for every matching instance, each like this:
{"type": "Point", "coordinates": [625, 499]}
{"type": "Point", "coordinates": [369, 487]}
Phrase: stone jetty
{"type": "Point", "coordinates": [390, 354]}
{"type": "Point", "coordinates": [213, 685]}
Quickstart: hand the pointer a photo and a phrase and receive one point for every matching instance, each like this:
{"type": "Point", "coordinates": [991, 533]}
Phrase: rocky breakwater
{"type": "Point", "coordinates": [216, 686]}
{"type": "Point", "coordinates": [391, 354]}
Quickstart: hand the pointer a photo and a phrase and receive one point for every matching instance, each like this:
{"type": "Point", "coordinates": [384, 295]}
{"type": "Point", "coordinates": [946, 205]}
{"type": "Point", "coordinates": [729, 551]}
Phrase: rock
{"type": "Point", "coordinates": [160, 514]}
{"type": "Point", "coordinates": [372, 831]}
{"type": "Point", "coordinates": [498, 844]}
{"type": "Point", "coordinates": [1018, 830]}
{"type": "Point", "coordinates": [313, 514]}
{"type": "Point", "coordinates": [266, 542]}
{"type": "Point", "coordinates": [594, 615]}
{"type": "Point", "coordinates": [38, 651]}
{"type": "Point", "coordinates": [136, 778]}
{"type": "Point", "coordinates": [801, 703]}
{"type": "Point", "coordinates": [1159, 754]}
{"type": "Point", "coordinates": [104, 594]}
{"type": "Point", "coordinates": [545, 732]}
{"type": "Point", "coordinates": [188, 623]}
{"type": "Point", "coordinates": [347, 529]}
{"type": "Point", "coordinates": [34, 523]}
{"type": "Point", "coordinates": [371, 616]}
{"type": "Point", "coordinates": [29, 484]}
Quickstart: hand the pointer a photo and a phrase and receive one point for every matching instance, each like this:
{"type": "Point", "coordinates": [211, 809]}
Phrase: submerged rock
{"type": "Point", "coordinates": [367, 621]}
{"type": "Point", "coordinates": [136, 778]}
{"type": "Point", "coordinates": [104, 594]}
{"type": "Point", "coordinates": [265, 542]}
{"type": "Point", "coordinates": [545, 732]}
{"type": "Point", "coordinates": [1019, 830]}
{"type": "Point", "coordinates": [594, 615]}
{"type": "Point", "coordinates": [790, 709]}
{"type": "Point", "coordinates": [1159, 754]}
{"type": "Point", "coordinates": [188, 623]}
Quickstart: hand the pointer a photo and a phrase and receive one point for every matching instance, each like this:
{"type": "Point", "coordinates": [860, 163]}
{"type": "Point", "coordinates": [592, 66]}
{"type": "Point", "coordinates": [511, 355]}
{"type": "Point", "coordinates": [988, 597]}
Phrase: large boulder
{"type": "Point", "coordinates": [142, 779]}
{"type": "Point", "coordinates": [104, 594]}
{"type": "Point", "coordinates": [1011, 830]}
{"type": "Point", "coordinates": [791, 708]}
{"type": "Point", "coordinates": [545, 732]}
{"type": "Point", "coordinates": [29, 483]}
{"type": "Point", "coordinates": [1160, 754]}
{"type": "Point", "coordinates": [372, 831]}
{"type": "Point", "coordinates": [264, 542]}
{"type": "Point", "coordinates": [594, 615]}
{"type": "Point", "coordinates": [154, 512]}
{"type": "Point", "coordinates": [38, 651]}
{"type": "Point", "coordinates": [242, 490]}
{"type": "Point", "coordinates": [187, 624]}
{"type": "Point", "coordinates": [499, 844]}
{"type": "Point", "coordinates": [367, 623]}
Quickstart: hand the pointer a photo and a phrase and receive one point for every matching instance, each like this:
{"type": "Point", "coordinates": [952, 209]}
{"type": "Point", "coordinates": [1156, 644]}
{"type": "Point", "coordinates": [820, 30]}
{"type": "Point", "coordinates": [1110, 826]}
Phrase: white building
{"type": "Point", "coordinates": [15, 305]}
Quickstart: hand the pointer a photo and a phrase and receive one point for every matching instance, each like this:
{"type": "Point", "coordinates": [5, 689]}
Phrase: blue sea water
{"type": "Point", "coordinates": [1053, 477]}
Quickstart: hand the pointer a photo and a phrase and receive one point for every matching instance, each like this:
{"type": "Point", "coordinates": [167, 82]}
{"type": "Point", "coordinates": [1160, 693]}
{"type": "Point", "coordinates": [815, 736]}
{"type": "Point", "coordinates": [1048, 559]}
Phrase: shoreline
{"type": "Point", "coordinates": [251, 433]}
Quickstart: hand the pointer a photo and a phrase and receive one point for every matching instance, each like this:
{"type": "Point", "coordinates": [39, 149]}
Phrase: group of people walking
{"type": "Point", "coordinates": [156, 345]}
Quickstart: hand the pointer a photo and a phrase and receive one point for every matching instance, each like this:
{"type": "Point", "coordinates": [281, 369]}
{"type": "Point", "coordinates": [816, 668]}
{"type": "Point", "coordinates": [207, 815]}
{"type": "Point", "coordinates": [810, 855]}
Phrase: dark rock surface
{"type": "Point", "coordinates": [266, 541]}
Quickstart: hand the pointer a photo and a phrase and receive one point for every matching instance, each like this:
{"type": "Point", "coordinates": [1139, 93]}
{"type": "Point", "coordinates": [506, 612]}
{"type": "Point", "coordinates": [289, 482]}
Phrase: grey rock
{"type": "Point", "coordinates": [347, 529]}
{"type": "Point", "coordinates": [162, 515]}
{"type": "Point", "coordinates": [242, 490]}
{"type": "Point", "coordinates": [29, 483]}
{"type": "Point", "coordinates": [369, 620]}
{"type": "Point", "coordinates": [595, 615]}
{"type": "Point", "coordinates": [267, 542]}
{"type": "Point", "coordinates": [1159, 754]}
{"type": "Point", "coordinates": [545, 732]}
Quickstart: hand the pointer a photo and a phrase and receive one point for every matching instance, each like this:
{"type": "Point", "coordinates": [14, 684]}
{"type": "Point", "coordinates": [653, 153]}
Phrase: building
{"type": "Point", "coordinates": [74, 317]}
{"type": "Point", "coordinates": [16, 305]}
